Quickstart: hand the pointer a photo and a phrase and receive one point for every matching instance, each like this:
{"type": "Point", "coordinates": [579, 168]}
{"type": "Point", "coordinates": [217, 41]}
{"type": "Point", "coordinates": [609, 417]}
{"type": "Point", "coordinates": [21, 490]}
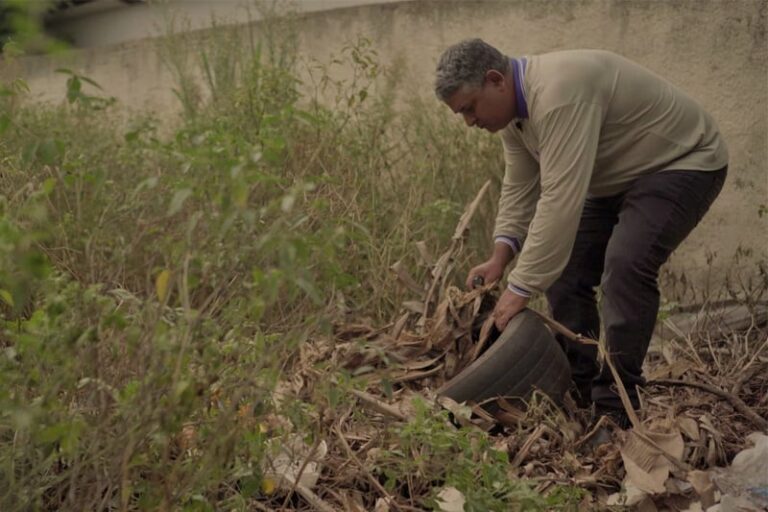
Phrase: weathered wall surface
{"type": "Point", "coordinates": [109, 22]}
{"type": "Point", "coordinates": [714, 49]}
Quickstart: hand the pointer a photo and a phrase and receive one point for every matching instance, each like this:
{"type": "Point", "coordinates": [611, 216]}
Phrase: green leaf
{"type": "Point", "coordinates": [90, 81]}
{"type": "Point", "coordinates": [35, 264]}
{"type": "Point", "coordinates": [12, 49]}
{"type": "Point", "coordinates": [74, 87]}
{"type": "Point", "coordinates": [306, 117]}
{"type": "Point", "coordinates": [5, 123]}
{"type": "Point", "coordinates": [29, 152]}
{"type": "Point", "coordinates": [129, 390]}
{"type": "Point", "coordinates": [50, 151]}
{"type": "Point", "coordinates": [20, 85]}
{"type": "Point", "coordinates": [48, 186]}
{"type": "Point", "coordinates": [7, 297]}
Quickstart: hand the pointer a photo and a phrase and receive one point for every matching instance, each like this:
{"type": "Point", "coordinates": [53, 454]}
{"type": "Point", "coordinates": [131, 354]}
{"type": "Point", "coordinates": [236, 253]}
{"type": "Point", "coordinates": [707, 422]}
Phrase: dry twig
{"type": "Point", "coordinates": [735, 401]}
{"type": "Point", "coordinates": [379, 406]}
{"type": "Point", "coordinates": [312, 498]}
{"type": "Point", "coordinates": [375, 483]}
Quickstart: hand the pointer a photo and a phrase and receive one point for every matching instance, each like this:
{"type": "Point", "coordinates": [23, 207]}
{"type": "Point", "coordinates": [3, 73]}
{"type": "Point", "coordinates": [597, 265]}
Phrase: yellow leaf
{"type": "Point", "coordinates": [268, 485]}
{"type": "Point", "coordinates": [161, 284]}
{"type": "Point", "coordinates": [7, 297]}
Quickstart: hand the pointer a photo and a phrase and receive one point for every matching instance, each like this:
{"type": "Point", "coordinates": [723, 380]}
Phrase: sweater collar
{"type": "Point", "coordinates": [518, 76]}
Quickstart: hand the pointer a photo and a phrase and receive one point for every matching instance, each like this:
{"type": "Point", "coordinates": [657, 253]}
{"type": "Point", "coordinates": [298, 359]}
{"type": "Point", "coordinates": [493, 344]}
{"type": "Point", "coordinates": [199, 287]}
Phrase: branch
{"type": "Point", "coordinates": [735, 401]}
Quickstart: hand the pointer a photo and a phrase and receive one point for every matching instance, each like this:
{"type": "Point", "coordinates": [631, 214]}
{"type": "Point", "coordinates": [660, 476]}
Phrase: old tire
{"type": "Point", "coordinates": [525, 357]}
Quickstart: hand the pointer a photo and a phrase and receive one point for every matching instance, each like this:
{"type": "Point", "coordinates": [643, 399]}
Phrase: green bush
{"type": "Point", "coordinates": [155, 286]}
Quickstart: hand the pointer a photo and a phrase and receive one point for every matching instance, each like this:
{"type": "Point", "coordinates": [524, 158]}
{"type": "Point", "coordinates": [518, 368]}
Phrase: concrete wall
{"type": "Point", "coordinates": [714, 49]}
{"type": "Point", "coordinates": [108, 22]}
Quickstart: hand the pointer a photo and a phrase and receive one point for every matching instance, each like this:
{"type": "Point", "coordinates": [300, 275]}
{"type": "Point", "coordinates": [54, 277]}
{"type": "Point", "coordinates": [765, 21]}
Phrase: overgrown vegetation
{"type": "Point", "coordinates": [155, 286]}
{"type": "Point", "coordinates": [182, 303]}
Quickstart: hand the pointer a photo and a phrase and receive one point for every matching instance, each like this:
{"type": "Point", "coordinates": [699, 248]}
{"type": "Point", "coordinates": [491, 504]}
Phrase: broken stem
{"type": "Point", "coordinates": [379, 406]}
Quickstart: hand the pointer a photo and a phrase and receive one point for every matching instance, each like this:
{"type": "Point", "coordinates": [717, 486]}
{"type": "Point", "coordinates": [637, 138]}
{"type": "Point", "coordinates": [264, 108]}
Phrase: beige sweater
{"type": "Point", "coordinates": [590, 123]}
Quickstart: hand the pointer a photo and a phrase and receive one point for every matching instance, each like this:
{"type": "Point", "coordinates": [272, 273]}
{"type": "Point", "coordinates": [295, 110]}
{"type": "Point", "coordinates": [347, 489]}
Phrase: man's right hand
{"type": "Point", "coordinates": [490, 271]}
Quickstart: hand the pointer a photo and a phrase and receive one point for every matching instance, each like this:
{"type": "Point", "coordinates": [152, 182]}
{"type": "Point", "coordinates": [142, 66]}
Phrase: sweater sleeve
{"type": "Point", "coordinates": [519, 193]}
{"type": "Point", "coordinates": [569, 136]}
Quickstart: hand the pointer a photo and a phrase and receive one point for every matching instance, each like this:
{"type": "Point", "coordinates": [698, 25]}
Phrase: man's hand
{"type": "Point", "coordinates": [490, 271]}
{"type": "Point", "coordinates": [508, 306]}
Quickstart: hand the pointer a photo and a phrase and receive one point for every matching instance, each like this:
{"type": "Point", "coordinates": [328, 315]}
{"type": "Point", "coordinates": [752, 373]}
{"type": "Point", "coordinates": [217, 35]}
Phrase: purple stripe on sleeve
{"type": "Point", "coordinates": [512, 242]}
{"type": "Point", "coordinates": [519, 291]}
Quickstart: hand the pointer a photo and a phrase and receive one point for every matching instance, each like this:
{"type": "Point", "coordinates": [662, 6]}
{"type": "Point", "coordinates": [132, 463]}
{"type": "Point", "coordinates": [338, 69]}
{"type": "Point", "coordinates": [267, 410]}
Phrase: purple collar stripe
{"type": "Point", "coordinates": [518, 72]}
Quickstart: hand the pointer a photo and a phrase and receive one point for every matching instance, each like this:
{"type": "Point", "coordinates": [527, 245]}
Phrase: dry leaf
{"type": "Point", "coordinates": [400, 325]}
{"type": "Point", "coordinates": [287, 461]}
{"type": "Point", "coordinates": [647, 505]}
{"type": "Point", "coordinates": [646, 467]}
{"type": "Point", "coordinates": [469, 212]}
{"type": "Point", "coordinates": [382, 505]}
{"type": "Point", "coordinates": [450, 499]}
{"type": "Point", "coordinates": [414, 306]}
{"type": "Point", "coordinates": [704, 487]}
{"type": "Point", "coordinates": [676, 486]}
{"type": "Point", "coordinates": [689, 426]}
{"type": "Point", "coordinates": [352, 501]}
{"type": "Point", "coordinates": [736, 504]}
{"type": "Point", "coordinates": [405, 278]}
{"type": "Point", "coordinates": [187, 438]}
{"type": "Point", "coordinates": [629, 497]}
{"type": "Point", "coordinates": [426, 257]}
{"type": "Point", "coordinates": [461, 412]}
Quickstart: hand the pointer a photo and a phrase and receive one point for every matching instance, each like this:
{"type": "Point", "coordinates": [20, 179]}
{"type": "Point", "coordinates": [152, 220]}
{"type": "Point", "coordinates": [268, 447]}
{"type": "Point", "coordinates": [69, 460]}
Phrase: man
{"type": "Point", "coordinates": [608, 168]}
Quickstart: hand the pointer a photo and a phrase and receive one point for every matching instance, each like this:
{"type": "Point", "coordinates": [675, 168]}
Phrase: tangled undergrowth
{"type": "Point", "coordinates": [706, 395]}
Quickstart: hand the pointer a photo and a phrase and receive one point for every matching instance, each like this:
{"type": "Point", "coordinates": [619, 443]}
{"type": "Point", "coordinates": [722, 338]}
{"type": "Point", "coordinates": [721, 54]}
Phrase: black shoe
{"type": "Point", "coordinates": [582, 395]}
{"type": "Point", "coordinates": [605, 421]}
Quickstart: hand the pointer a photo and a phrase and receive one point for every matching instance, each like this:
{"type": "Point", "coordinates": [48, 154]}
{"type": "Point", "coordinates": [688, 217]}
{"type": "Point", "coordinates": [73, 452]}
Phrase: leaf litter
{"type": "Point", "coordinates": [698, 444]}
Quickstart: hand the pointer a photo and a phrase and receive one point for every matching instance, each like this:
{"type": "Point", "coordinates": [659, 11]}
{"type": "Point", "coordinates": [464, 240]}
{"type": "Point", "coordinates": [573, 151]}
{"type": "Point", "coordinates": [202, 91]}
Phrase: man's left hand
{"type": "Point", "coordinates": [508, 306]}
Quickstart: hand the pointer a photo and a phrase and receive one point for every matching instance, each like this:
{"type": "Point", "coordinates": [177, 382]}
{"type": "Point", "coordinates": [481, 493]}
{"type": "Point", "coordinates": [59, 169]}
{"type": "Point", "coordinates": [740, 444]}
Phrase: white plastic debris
{"type": "Point", "coordinates": [745, 483]}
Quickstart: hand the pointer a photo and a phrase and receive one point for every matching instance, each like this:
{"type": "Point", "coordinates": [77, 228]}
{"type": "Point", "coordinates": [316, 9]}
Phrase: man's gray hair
{"type": "Point", "coordinates": [466, 63]}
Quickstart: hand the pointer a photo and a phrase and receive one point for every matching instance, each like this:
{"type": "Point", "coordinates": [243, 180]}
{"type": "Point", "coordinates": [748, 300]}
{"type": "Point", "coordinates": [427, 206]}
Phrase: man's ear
{"type": "Point", "coordinates": [494, 77]}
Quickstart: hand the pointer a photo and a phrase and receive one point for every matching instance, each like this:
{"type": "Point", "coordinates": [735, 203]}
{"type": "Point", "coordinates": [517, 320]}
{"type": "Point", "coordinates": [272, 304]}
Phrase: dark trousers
{"type": "Point", "coordinates": [621, 244]}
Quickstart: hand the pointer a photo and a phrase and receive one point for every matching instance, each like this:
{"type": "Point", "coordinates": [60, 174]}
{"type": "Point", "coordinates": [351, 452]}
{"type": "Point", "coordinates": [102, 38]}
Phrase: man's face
{"type": "Point", "coordinates": [490, 106]}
